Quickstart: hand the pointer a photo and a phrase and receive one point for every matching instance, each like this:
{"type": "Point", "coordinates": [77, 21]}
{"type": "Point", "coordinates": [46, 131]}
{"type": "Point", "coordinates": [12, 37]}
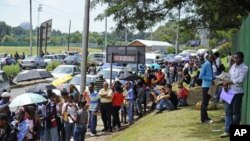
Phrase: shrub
{"type": "Point", "coordinates": [170, 50]}
{"type": "Point", "coordinates": [11, 71]}
{"type": "Point", "coordinates": [224, 49]}
{"type": "Point", "coordinates": [51, 66]}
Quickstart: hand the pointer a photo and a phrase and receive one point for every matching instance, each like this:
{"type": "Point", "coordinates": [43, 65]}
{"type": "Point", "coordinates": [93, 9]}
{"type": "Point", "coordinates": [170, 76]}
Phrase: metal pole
{"type": "Point", "coordinates": [177, 33]}
{"type": "Point", "coordinates": [137, 62]}
{"type": "Point", "coordinates": [69, 33]}
{"type": "Point", "coordinates": [38, 35]}
{"type": "Point", "coordinates": [85, 38]}
{"type": "Point", "coordinates": [46, 38]}
{"type": "Point", "coordinates": [41, 41]}
{"type": "Point", "coordinates": [111, 69]}
{"type": "Point", "coordinates": [126, 36]}
{"type": "Point", "coordinates": [30, 27]}
{"type": "Point", "coordinates": [106, 28]}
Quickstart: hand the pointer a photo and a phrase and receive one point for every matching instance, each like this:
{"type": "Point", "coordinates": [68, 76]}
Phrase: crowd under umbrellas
{"type": "Point", "coordinates": [129, 92]}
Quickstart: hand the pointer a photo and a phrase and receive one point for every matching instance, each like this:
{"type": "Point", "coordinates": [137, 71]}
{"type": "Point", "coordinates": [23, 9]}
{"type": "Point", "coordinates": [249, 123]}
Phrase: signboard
{"type": "Point", "coordinates": [125, 54]}
{"type": "Point", "coordinates": [46, 29]}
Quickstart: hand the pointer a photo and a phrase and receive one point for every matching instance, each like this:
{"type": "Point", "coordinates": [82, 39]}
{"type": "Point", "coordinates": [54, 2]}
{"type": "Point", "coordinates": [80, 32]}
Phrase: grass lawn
{"type": "Point", "coordinates": [180, 125]}
{"type": "Point", "coordinates": [54, 49]}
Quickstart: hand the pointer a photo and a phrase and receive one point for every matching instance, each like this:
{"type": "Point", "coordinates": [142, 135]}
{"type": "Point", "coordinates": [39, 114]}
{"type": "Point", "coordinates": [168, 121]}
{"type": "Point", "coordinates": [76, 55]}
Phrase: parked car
{"type": "Point", "coordinates": [62, 70]}
{"type": "Point", "coordinates": [106, 74]}
{"type": "Point", "coordinates": [7, 61]}
{"type": "Point", "coordinates": [114, 65]}
{"type": "Point", "coordinates": [149, 61]}
{"type": "Point", "coordinates": [33, 62]}
{"type": "Point", "coordinates": [4, 83]}
{"type": "Point", "coordinates": [72, 60]}
{"type": "Point", "coordinates": [98, 57]}
{"type": "Point", "coordinates": [132, 67]}
{"type": "Point", "coordinates": [76, 80]}
{"type": "Point", "coordinates": [49, 58]}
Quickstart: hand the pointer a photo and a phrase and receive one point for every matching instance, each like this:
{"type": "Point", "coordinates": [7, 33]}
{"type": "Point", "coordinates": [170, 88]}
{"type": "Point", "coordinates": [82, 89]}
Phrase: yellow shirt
{"type": "Point", "coordinates": [108, 92]}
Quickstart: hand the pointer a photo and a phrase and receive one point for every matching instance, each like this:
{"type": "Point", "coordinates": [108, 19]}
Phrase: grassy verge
{"type": "Point", "coordinates": [26, 50]}
{"type": "Point", "coordinates": [179, 125]}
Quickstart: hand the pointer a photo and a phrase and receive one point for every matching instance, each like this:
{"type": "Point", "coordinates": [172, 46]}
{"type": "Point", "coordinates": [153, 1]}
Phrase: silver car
{"type": "Point", "coordinates": [4, 83]}
{"type": "Point", "coordinates": [33, 62]}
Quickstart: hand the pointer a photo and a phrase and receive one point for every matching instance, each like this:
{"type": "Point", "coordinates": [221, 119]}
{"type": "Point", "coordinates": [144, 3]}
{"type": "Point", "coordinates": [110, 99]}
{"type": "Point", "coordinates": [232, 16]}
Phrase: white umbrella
{"type": "Point", "coordinates": [26, 99]}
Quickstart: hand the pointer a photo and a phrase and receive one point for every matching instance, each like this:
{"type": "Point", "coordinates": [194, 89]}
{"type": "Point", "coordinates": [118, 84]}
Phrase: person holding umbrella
{"type": "Point", "coordinates": [7, 131]}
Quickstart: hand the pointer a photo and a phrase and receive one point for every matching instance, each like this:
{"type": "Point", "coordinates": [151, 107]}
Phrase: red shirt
{"type": "Point", "coordinates": [117, 99]}
{"type": "Point", "coordinates": [183, 92]}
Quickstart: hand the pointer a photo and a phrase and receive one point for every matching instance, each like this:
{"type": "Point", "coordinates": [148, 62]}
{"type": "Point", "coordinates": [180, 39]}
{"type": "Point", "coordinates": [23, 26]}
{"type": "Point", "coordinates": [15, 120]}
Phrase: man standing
{"type": "Point", "coordinates": [238, 73]}
{"type": "Point", "coordinates": [129, 101]}
{"type": "Point", "coordinates": [106, 95]}
{"type": "Point", "coordinates": [207, 77]}
{"type": "Point", "coordinates": [93, 108]}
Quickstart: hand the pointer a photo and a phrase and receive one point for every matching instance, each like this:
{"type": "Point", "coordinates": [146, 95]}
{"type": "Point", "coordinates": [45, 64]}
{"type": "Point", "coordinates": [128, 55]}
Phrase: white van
{"type": "Point", "coordinates": [4, 83]}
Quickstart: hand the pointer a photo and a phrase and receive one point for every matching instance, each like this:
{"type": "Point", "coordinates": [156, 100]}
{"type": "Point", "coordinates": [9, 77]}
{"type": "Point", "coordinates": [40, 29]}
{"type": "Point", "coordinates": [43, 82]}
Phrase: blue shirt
{"type": "Point", "coordinates": [94, 101]}
{"type": "Point", "coordinates": [206, 74]}
{"type": "Point", "coordinates": [23, 129]}
{"type": "Point", "coordinates": [130, 94]}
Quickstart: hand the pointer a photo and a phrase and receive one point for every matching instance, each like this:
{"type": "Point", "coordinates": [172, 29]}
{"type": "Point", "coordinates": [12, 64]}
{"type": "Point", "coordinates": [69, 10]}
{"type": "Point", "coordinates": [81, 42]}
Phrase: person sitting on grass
{"type": "Point", "coordinates": [182, 95]}
{"type": "Point", "coordinates": [167, 100]}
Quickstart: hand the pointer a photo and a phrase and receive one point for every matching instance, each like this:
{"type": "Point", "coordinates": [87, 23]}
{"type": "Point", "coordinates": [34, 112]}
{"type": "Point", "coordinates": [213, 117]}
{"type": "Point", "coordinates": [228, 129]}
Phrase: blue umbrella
{"type": "Point", "coordinates": [155, 66]}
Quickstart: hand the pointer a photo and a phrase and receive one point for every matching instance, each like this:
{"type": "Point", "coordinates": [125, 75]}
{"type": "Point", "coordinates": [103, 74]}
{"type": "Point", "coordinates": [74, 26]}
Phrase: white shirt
{"type": "Point", "coordinates": [237, 76]}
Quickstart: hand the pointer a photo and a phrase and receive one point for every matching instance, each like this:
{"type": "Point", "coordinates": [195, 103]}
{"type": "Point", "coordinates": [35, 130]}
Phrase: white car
{"type": "Point", "coordinates": [49, 58]}
{"type": "Point", "coordinates": [76, 80]}
{"type": "Point", "coordinates": [106, 74]}
{"type": "Point", "coordinates": [62, 70]}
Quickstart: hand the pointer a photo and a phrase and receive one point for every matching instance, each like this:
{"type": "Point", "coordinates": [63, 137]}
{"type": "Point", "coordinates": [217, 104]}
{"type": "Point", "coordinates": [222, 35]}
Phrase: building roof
{"type": "Point", "coordinates": [152, 43]}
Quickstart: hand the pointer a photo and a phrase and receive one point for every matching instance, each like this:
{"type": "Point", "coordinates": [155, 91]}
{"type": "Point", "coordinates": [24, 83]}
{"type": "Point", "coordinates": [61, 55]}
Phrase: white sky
{"type": "Point", "coordinates": [14, 12]}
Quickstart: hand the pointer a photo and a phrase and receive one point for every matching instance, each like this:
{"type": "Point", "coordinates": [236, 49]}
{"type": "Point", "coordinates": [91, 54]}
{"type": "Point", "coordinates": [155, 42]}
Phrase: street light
{"type": "Point", "coordinates": [38, 16]}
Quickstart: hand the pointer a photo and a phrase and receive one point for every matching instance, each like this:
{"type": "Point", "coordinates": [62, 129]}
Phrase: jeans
{"type": "Point", "coordinates": [165, 104]}
{"type": "Point", "coordinates": [139, 105]}
{"type": "Point", "coordinates": [79, 132]}
{"type": "Point", "coordinates": [233, 112]}
{"type": "Point", "coordinates": [69, 128]}
{"type": "Point", "coordinates": [51, 134]}
{"type": "Point", "coordinates": [92, 122]}
{"type": "Point", "coordinates": [205, 101]}
{"type": "Point", "coordinates": [106, 112]}
{"type": "Point", "coordinates": [130, 105]}
{"type": "Point", "coordinates": [116, 118]}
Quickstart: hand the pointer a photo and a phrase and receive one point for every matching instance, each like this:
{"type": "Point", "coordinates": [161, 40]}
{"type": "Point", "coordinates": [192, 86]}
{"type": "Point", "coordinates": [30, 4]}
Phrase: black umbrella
{"type": "Point", "coordinates": [128, 76]}
{"type": "Point", "coordinates": [41, 87]}
{"type": "Point", "coordinates": [33, 75]}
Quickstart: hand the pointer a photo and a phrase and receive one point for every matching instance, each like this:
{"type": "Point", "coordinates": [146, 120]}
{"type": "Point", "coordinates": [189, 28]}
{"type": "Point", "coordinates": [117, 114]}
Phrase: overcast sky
{"type": "Point", "coordinates": [14, 12]}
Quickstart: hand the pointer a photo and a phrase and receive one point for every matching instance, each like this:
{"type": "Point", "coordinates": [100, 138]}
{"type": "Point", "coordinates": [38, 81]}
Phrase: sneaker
{"type": "Point", "coordinates": [92, 135]}
{"type": "Point", "coordinates": [224, 135]}
{"type": "Point", "coordinates": [208, 121]}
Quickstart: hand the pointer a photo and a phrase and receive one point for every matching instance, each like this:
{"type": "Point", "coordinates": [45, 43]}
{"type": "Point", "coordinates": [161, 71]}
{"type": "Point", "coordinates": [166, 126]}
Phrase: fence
{"type": "Point", "coordinates": [241, 42]}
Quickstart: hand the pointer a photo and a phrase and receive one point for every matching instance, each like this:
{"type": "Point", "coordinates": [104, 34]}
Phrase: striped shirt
{"type": "Point", "coordinates": [99, 84]}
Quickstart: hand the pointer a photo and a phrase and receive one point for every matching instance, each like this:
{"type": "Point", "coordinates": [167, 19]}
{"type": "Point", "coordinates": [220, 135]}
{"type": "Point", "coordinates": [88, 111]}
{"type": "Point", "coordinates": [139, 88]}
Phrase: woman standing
{"type": "Point", "coordinates": [238, 73]}
{"type": "Point", "coordinates": [69, 110]}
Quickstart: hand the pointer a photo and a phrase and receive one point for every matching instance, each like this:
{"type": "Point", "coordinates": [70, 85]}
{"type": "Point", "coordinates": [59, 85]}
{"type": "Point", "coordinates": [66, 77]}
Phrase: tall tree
{"type": "Point", "coordinates": [142, 14]}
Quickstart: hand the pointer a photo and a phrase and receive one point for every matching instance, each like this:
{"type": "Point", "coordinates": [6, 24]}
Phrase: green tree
{"type": "Point", "coordinates": [142, 14]}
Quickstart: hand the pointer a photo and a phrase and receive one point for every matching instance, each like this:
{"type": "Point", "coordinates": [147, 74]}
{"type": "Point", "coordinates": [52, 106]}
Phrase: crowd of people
{"type": "Point", "coordinates": [63, 117]}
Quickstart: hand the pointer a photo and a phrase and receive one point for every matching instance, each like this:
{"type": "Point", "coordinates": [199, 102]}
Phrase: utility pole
{"type": "Point", "coordinates": [85, 38]}
{"type": "Point", "coordinates": [106, 28]}
{"type": "Point", "coordinates": [38, 16]}
{"type": "Point", "coordinates": [69, 33]}
{"type": "Point", "coordinates": [178, 30]}
{"type": "Point", "coordinates": [126, 36]}
{"type": "Point", "coordinates": [30, 27]}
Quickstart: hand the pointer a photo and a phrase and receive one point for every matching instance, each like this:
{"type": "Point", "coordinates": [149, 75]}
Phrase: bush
{"type": "Point", "coordinates": [51, 66]}
{"type": "Point", "coordinates": [11, 71]}
{"type": "Point", "coordinates": [224, 49]}
{"type": "Point", "coordinates": [170, 50]}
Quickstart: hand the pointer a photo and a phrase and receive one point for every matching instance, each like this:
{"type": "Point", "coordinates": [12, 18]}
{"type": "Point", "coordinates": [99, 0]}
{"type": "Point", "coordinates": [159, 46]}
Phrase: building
{"type": "Point", "coordinates": [151, 45]}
